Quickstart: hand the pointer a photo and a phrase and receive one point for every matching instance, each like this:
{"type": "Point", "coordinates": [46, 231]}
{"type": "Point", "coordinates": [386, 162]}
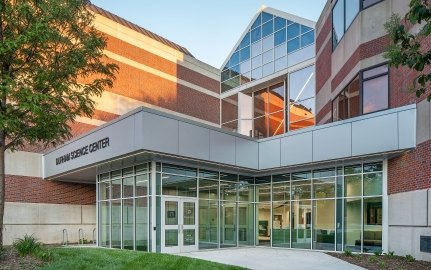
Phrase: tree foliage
{"type": "Point", "coordinates": [50, 68]}
{"type": "Point", "coordinates": [407, 48]}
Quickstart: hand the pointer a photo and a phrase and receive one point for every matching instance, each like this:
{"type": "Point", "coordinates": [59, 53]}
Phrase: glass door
{"type": "Point", "coordinates": [228, 226]}
{"type": "Point", "coordinates": [179, 232]}
{"type": "Point", "coordinates": [189, 228]}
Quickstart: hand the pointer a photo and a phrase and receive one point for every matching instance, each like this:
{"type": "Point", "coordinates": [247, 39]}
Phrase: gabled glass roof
{"type": "Point", "coordinates": [264, 49]}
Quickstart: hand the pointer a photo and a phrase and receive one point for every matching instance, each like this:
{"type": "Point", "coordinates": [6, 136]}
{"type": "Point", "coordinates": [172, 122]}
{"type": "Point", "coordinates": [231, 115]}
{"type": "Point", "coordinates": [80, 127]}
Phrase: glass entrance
{"type": "Point", "coordinates": [180, 230]}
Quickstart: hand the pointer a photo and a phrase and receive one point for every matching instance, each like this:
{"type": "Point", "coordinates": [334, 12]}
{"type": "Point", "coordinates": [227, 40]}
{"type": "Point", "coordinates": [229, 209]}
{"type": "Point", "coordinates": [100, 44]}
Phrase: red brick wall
{"type": "Point", "coordinates": [401, 80]}
{"type": "Point", "coordinates": [144, 86]}
{"type": "Point", "coordinates": [323, 66]}
{"type": "Point", "coordinates": [365, 50]}
{"type": "Point", "coordinates": [323, 34]}
{"type": "Point", "coordinates": [323, 112]}
{"type": "Point", "coordinates": [411, 171]}
{"type": "Point", "coordinates": [144, 57]}
{"type": "Point", "coordinates": [36, 190]}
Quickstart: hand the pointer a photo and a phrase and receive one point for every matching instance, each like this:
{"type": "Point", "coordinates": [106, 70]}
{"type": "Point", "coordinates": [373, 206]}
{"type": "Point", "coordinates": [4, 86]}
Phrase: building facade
{"type": "Point", "coordinates": [354, 79]}
{"type": "Point", "coordinates": [307, 140]}
{"type": "Point", "coordinates": [155, 73]}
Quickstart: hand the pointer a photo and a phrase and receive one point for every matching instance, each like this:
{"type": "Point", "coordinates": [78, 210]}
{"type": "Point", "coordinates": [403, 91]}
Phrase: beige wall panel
{"type": "Point", "coordinates": [46, 221]}
{"type": "Point", "coordinates": [408, 208]}
{"type": "Point", "coordinates": [23, 163]}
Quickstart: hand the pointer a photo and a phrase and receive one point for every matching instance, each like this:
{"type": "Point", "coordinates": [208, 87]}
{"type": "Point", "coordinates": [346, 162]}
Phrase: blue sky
{"type": "Point", "coordinates": [209, 29]}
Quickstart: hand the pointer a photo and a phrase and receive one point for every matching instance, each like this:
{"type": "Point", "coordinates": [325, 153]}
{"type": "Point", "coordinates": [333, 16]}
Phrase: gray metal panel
{"type": "Point", "coordinates": [269, 154]}
{"type": "Point", "coordinates": [222, 147]}
{"type": "Point", "coordinates": [407, 129]}
{"type": "Point", "coordinates": [247, 153]}
{"type": "Point", "coordinates": [160, 133]}
{"type": "Point", "coordinates": [139, 130]}
{"type": "Point", "coordinates": [297, 149]}
{"type": "Point", "coordinates": [120, 143]}
{"type": "Point", "coordinates": [332, 142]}
{"type": "Point", "coordinates": [423, 121]}
{"type": "Point", "coordinates": [194, 141]}
{"type": "Point", "coordinates": [374, 135]}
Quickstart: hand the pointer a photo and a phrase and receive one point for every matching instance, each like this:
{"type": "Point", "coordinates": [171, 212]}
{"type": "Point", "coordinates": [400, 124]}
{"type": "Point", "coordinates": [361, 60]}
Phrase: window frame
{"type": "Point", "coordinates": [361, 8]}
{"type": "Point", "coordinates": [362, 80]}
{"type": "Point", "coordinates": [360, 74]}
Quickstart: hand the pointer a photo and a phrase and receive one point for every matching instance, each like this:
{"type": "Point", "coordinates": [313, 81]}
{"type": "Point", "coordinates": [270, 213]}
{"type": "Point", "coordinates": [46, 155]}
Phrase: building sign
{"type": "Point", "coordinates": [85, 150]}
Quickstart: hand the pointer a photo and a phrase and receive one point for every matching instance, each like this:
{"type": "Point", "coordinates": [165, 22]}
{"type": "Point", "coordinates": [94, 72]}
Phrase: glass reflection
{"type": "Point", "coordinates": [281, 224]}
{"type": "Point", "coordinates": [301, 224]}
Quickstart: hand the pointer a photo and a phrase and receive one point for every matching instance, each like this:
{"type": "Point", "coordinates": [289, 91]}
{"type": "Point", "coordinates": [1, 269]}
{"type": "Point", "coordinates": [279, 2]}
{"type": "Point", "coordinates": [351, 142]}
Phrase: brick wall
{"type": "Point", "coordinates": [411, 171]}
{"type": "Point", "coordinates": [37, 190]}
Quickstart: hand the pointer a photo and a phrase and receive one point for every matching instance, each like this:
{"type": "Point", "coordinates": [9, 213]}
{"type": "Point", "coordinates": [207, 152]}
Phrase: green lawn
{"type": "Point", "coordinates": [97, 258]}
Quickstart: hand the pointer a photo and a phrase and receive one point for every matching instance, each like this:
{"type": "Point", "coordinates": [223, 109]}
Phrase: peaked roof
{"type": "Point", "coordinates": [274, 12]}
{"type": "Point", "coordinates": [138, 28]}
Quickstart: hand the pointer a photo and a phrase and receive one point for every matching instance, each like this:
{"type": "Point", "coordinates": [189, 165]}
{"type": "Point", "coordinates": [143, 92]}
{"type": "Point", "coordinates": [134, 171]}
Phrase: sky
{"type": "Point", "coordinates": [208, 29]}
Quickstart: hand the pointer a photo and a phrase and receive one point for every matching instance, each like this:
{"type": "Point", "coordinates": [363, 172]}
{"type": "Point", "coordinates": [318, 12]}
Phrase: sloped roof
{"type": "Point", "coordinates": [274, 12]}
{"type": "Point", "coordinates": [138, 28]}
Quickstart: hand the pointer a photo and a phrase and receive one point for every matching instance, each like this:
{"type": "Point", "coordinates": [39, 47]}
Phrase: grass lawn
{"type": "Point", "coordinates": [97, 258]}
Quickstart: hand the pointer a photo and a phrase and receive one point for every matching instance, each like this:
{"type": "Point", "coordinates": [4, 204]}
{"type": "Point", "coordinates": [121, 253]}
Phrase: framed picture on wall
{"type": "Point", "coordinates": [277, 221]}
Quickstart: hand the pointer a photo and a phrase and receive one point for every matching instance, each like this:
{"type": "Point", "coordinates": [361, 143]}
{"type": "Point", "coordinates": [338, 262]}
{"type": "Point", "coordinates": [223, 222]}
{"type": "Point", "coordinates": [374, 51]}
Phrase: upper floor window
{"type": "Point", "coordinates": [344, 13]}
{"type": "Point", "coordinates": [266, 48]}
{"type": "Point", "coordinates": [273, 110]}
{"type": "Point", "coordinates": [368, 92]}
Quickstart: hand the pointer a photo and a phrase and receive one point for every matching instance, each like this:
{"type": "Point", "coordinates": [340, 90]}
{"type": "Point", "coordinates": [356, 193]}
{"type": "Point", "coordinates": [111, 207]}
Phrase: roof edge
{"type": "Point", "coordinates": [139, 29]}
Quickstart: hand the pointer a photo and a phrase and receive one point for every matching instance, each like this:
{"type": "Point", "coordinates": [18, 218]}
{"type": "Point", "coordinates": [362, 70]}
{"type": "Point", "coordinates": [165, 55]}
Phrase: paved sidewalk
{"type": "Point", "coordinates": [272, 259]}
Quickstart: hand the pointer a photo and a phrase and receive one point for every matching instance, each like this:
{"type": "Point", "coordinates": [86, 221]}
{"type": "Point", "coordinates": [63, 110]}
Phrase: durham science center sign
{"type": "Point", "coordinates": [83, 151]}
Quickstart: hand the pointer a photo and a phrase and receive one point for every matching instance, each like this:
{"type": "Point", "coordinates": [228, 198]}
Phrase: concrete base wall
{"type": "Point", "coordinates": [409, 218]}
{"type": "Point", "coordinates": [47, 221]}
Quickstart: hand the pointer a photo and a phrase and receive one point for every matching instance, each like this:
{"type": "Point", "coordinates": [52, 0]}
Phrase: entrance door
{"type": "Point", "coordinates": [180, 230]}
{"type": "Point", "coordinates": [228, 230]}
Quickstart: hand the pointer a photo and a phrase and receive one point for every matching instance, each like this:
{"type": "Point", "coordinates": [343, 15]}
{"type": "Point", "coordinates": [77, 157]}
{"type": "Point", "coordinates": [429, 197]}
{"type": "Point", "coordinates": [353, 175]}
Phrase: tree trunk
{"type": "Point", "coordinates": [2, 184]}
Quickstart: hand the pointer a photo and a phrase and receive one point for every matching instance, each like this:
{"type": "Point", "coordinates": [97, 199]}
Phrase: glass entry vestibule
{"type": "Point", "coordinates": [167, 208]}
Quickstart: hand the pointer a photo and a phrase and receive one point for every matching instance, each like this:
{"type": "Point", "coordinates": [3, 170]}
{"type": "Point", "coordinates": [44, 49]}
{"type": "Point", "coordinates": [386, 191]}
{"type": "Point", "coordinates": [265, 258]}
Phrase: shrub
{"type": "Point", "coordinates": [372, 259]}
{"type": "Point", "coordinates": [2, 253]}
{"type": "Point", "coordinates": [348, 253]}
{"type": "Point", "coordinates": [382, 264]}
{"type": "Point", "coordinates": [390, 254]}
{"type": "Point", "coordinates": [410, 258]}
{"type": "Point", "coordinates": [43, 254]}
{"type": "Point", "coordinates": [378, 253]}
{"type": "Point", "coordinates": [27, 245]}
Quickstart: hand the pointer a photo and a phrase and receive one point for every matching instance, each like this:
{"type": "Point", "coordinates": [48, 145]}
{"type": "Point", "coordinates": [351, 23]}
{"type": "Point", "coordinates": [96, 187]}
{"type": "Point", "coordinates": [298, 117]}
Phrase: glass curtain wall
{"type": "Point", "coordinates": [338, 208]}
{"type": "Point", "coordinates": [228, 210]}
{"type": "Point", "coordinates": [208, 209]}
{"type": "Point", "coordinates": [123, 208]}
{"type": "Point", "coordinates": [263, 211]}
{"type": "Point", "coordinates": [265, 49]}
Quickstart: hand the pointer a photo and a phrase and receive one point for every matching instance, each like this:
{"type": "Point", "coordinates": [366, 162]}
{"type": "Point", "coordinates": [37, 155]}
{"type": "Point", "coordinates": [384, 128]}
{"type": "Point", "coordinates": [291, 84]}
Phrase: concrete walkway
{"type": "Point", "coordinates": [272, 259]}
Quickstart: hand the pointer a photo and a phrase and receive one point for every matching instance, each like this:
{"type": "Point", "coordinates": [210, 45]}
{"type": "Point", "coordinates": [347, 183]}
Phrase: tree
{"type": "Point", "coordinates": [51, 66]}
{"type": "Point", "coordinates": [407, 49]}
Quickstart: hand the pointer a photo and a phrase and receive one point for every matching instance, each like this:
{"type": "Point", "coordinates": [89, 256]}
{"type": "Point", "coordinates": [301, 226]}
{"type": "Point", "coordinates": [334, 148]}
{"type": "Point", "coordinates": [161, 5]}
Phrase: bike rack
{"type": "Point", "coordinates": [65, 240]}
{"type": "Point", "coordinates": [80, 236]}
{"type": "Point", "coordinates": [94, 236]}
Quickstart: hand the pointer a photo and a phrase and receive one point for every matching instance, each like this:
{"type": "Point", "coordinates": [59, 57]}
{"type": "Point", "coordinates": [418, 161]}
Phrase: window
{"type": "Point", "coordinates": [347, 103]}
{"type": "Point", "coordinates": [343, 15]}
{"type": "Point", "coordinates": [301, 107]}
{"type": "Point", "coordinates": [266, 46]}
{"type": "Point", "coordinates": [373, 91]}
